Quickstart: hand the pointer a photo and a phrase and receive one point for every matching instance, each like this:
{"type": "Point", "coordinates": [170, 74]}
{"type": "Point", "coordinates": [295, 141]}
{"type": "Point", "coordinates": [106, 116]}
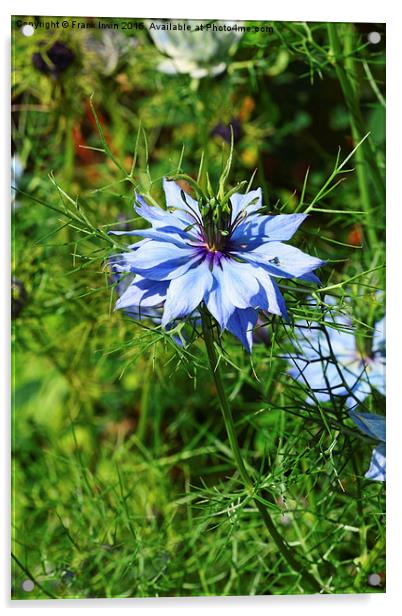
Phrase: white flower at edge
{"type": "Point", "coordinates": [199, 53]}
{"type": "Point", "coordinates": [104, 52]}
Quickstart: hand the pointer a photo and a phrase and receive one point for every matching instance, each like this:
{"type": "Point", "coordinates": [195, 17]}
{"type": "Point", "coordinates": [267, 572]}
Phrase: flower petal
{"type": "Point", "coordinates": [320, 375]}
{"type": "Point", "coordinates": [241, 323]}
{"type": "Point", "coordinates": [310, 278]}
{"type": "Point", "coordinates": [161, 260]}
{"type": "Point", "coordinates": [282, 260]}
{"type": "Point", "coordinates": [377, 470]}
{"type": "Point", "coordinates": [376, 374]}
{"type": "Point", "coordinates": [281, 227]}
{"type": "Point", "coordinates": [234, 284]}
{"type": "Point", "coordinates": [186, 292]}
{"type": "Point", "coordinates": [370, 424]}
{"type": "Point", "coordinates": [269, 297]}
{"type": "Point", "coordinates": [343, 341]}
{"type": "Point", "coordinates": [143, 292]}
{"type": "Point", "coordinates": [311, 341]}
{"type": "Point", "coordinates": [242, 285]}
{"type": "Point", "coordinates": [174, 198]}
{"type": "Point", "coordinates": [173, 235]}
{"type": "Point", "coordinates": [218, 302]}
{"type": "Point", "coordinates": [139, 313]}
{"type": "Point", "coordinates": [156, 215]}
{"type": "Point", "coordinates": [246, 204]}
{"type": "Point", "coordinates": [379, 337]}
{"type": "Point", "coordinates": [269, 228]}
{"type": "Point", "coordinates": [238, 282]}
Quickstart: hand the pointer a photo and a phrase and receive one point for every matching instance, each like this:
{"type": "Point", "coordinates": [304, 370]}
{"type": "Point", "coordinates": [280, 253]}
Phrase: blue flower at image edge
{"type": "Point", "coordinates": [353, 376]}
{"type": "Point", "coordinates": [373, 426]}
{"type": "Point", "coordinates": [314, 366]}
{"type": "Point", "coordinates": [229, 262]}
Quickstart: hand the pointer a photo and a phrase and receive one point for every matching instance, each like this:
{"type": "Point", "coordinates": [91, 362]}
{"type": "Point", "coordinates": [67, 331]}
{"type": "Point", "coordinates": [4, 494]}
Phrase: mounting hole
{"type": "Point", "coordinates": [28, 585]}
{"type": "Point", "coordinates": [27, 30]}
{"type": "Point", "coordinates": [374, 579]}
{"type": "Point", "coordinates": [374, 37]}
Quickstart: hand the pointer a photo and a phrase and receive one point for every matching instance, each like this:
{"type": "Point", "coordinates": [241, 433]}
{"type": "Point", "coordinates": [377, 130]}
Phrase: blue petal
{"type": "Point", "coordinates": [246, 204]}
{"type": "Point", "coordinates": [370, 424]}
{"type": "Point", "coordinates": [143, 292]}
{"type": "Point", "coordinates": [172, 235]}
{"type": "Point", "coordinates": [217, 301]}
{"type": "Point", "coordinates": [359, 395]}
{"type": "Point", "coordinates": [281, 227]}
{"type": "Point", "coordinates": [174, 198]}
{"type": "Point", "coordinates": [360, 376]}
{"type": "Point", "coordinates": [269, 297]}
{"type": "Point", "coordinates": [121, 262]}
{"type": "Point", "coordinates": [241, 323]}
{"type": "Point", "coordinates": [234, 286]}
{"type": "Point", "coordinates": [377, 470]}
{"type": "Point", "coordinates": [310, 278]}
{"type": "Point", "coordinates": [269, 228]}
{"type": "Point", "coordinates": [139, 313]}
{"type": "Point", "coordinates": [367, 377]}
{"type": "Point", "coordinates": [320, 375]}
{"type": "Point", "coordinates": [282, 260]}
{"type": "Point", "coordinates": [126, 232]}
{"type": "Point", "coordinates": [280, 302]}
{"type": "Point", "coordinates": [377, 374]}
{"type": "Point", "coordinates": [186, 292]}
{"type": "Point", "coordinates": [343, 341]}
{"type": "Point", "coordinates": [379, 337]}
{"type": "Point", "coordinates": [310, 341]}
{"type": "Point", "coordinates": [355, 375]}
{"type": "Point", "coordinates": [154, 214]}
{"type": "Point", "coordinates": [161, 260]}
{"type": "Point", "coordinates": [313, 345]}
{"type": "Point", "coordinates": [238, 282]}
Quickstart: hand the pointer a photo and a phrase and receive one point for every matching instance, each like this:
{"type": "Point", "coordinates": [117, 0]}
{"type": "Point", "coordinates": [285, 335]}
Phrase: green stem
{"type": "Point", "coordinates": [284, 549]}
{"type": "Point", "coordinates": [345, 70]}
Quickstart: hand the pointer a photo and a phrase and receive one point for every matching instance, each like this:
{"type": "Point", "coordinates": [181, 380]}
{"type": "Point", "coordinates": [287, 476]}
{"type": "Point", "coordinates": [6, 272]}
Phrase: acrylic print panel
{"type": "Point", "coordinates": [198, 308]}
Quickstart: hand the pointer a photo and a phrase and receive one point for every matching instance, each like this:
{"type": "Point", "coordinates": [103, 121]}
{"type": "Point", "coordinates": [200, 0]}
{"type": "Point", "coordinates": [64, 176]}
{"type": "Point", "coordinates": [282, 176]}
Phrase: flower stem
{"type": "Point", "coordinates": [284, 549]}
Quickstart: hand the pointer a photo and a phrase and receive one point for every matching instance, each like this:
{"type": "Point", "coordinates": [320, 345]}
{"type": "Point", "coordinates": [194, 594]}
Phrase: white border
{"type": "Point", "coordinates": [308, 10]}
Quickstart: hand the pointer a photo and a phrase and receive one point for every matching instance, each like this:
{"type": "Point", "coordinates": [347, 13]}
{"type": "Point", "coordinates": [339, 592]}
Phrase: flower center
{"type": "Point", "coordinates": [216, 225]}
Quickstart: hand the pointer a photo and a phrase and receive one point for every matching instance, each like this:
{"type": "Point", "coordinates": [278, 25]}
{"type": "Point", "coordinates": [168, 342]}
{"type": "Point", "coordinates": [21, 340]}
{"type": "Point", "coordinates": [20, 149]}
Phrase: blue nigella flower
{"type": "Point", "coordinates": [373, 426]}
{"type": "Point", "coordinates": [227, 257]}
{"type": "Point", "coordinates": [352, 374]}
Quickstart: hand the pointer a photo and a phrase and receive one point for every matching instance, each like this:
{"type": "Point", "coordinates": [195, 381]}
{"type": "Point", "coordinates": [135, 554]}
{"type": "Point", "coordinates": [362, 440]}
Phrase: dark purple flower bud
{"type": "Point", "coordinates": [223, 130]}
{"type": "Point", "coordinates": [59, 58]}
